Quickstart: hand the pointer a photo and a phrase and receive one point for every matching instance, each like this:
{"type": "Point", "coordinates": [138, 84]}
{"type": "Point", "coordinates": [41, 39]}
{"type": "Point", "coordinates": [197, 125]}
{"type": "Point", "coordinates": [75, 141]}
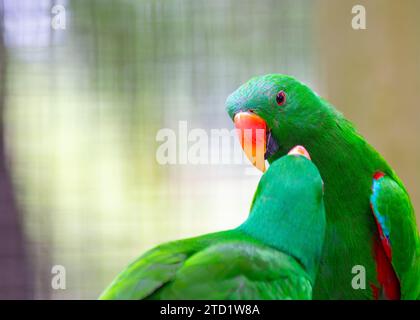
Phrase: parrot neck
{"type": "Point", "coordinates": [288, 213]}
{"type": "Point", "coordinates": [290, 230]}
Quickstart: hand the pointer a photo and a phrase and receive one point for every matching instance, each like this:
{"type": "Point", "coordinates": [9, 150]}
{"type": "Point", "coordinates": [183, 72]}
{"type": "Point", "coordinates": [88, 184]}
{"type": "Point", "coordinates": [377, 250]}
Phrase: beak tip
{"type": "Point", "coordinates": [262, 167]}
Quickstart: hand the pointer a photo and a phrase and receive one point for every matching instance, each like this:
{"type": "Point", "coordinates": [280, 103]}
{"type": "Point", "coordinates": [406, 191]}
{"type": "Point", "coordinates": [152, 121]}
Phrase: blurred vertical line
{"type": "Point", "coordinates": [15, 279]}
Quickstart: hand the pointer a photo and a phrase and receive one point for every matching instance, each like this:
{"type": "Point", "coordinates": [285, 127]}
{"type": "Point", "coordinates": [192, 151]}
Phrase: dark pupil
{"type": "Point", "coordinates": [280, 98]}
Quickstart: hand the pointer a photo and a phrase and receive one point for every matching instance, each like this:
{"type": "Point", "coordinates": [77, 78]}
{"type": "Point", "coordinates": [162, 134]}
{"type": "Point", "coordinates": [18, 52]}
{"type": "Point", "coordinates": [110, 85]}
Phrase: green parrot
{"type": "Point", "coordinates": [372, 245]}
{"type": "Point", "coordinates": [274, 254]}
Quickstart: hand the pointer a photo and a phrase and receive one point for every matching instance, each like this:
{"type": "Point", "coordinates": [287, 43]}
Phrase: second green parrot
{"type": "Point", "coordinates": [274, 254]}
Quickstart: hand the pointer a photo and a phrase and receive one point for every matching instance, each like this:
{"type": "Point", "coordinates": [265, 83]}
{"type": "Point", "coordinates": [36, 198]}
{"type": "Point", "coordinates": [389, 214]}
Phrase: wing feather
{"type": "Point", "coordinates": [221, 267]}
{"type": "Point", "coordinates": [397, 228]}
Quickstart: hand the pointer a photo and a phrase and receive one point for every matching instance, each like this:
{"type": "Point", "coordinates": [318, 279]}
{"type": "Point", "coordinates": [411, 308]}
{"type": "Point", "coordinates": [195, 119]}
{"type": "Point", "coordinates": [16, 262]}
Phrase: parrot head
{"type": "Point", "coordinates": [273, 113]}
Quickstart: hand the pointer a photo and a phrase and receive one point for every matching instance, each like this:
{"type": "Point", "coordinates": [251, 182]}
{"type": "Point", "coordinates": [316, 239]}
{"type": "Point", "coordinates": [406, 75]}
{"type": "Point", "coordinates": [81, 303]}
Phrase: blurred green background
{"type": "Point", "coordinates": [80, 109]}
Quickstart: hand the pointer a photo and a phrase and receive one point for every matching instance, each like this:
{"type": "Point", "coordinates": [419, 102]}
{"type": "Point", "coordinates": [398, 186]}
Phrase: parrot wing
{"type": "Point", "coordinates": [239, 271]}
{"type": "Point", "coordinates": [233, 268]}
{"type": "Point", "coordinates": [145, 275]}
{"type": "Point", "coordinates": [157, 267]}
{"type": "Point", "coordinates": [399, 237]}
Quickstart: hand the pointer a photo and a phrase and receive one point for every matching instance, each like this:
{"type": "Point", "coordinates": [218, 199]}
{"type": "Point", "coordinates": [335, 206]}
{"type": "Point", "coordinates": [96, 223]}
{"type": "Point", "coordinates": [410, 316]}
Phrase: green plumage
{"type": "Point", "coordinates": [264, 258]}
{"type": "Point", "coordinates": [347, 164]}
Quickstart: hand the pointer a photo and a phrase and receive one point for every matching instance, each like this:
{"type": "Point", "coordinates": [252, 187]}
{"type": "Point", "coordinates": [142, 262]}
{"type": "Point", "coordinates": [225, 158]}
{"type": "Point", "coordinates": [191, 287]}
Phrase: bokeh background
{"type": "Point", "coordinates": [80, 109]}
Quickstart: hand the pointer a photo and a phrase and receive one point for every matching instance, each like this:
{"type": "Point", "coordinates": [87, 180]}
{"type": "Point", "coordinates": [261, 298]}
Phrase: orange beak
{"type": "Point", "coordinates": [252, 130]}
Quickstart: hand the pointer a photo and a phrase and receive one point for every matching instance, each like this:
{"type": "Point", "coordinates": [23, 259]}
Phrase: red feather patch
{"type": "Point", "coordinates": [378, 175]}
{"type": "Point", "coordinates": [385, 274]}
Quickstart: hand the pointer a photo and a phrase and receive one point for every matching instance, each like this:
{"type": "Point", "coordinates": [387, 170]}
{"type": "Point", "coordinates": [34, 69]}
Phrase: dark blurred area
{"type": "Point", "coordinates": [80, 108]}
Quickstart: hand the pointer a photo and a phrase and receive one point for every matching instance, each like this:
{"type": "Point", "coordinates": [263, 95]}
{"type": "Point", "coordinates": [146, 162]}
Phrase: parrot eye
{"type": "Point", "coordinates": [281, 98]}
